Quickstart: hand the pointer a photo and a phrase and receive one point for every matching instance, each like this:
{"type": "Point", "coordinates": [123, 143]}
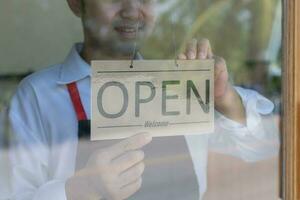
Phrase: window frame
{"type": "Point", "coordinates": [291, 100]}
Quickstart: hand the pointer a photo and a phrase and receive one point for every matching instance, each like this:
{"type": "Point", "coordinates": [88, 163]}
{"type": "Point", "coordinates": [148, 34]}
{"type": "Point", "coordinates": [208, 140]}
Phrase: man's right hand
{"type": "Point", "coordinates": [113, 173]}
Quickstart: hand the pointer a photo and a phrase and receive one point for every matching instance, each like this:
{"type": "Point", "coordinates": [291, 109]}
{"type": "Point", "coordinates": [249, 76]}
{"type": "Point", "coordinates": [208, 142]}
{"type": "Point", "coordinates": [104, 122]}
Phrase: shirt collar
{"type": "Point", "coordinates": [74, 68]}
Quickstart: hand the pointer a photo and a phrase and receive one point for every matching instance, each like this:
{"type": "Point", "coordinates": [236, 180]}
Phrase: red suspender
{"type": "Point", "coordinates": [75, 97]}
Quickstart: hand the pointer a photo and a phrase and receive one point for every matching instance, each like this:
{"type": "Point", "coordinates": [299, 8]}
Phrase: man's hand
{"type": "Point", "coordinates": [113, 173]}
{"type": "Point", "coordinates": [227, 101]}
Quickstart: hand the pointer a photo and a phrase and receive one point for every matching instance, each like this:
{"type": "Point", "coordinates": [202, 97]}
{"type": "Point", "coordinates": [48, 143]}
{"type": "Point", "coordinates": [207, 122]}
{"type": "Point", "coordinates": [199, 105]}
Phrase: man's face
{"type": "Point", "coordinates": [118, 25]}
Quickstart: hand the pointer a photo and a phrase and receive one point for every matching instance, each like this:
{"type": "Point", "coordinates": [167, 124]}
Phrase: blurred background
{"type": "Point", "coordinates": [247, 33]}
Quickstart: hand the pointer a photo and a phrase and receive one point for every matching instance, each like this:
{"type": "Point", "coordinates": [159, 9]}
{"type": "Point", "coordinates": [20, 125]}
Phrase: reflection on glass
{"type": "Point", "coordinates": [49, 153]}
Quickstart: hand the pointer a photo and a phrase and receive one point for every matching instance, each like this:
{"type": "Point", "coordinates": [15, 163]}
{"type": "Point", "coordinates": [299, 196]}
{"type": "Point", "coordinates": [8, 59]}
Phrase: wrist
{"type": "Point", "coordinates": [226, 100]}
{"type": "Point", "coordinates": [230, 104]}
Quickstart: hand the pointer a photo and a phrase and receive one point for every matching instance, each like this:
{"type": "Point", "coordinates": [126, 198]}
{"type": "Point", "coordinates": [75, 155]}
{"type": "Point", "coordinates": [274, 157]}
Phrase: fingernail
{"type": "Point", "coordinates": [148, 137]}
{"type": "Point", "coordinates": [202, 55]}
{"type": "Point", "coordinates": [192, 55]}
{"type": "Point", "coordinates": [141, 155]}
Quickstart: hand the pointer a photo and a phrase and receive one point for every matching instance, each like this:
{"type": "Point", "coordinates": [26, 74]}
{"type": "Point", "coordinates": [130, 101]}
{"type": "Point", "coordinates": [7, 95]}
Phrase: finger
{"type": "Point", "coordinates": [204, 49]}
{"type": "Point", "coordinates": [127, 160]}
{"type": "Point", "coordinates": [221, 77]}
{"type": "Point", "coordinates": [191, 49]}
{"type": "Point", "coordinates": [182, 56]}
{"type": "Point", "coordinates": [220, 66]}
{"type": "Point", "coordinates": [132, 174]}
{"type": "Point", "coordinates": [130, 189]}
{"type": "Point", "coordinates": [132, 143]}
{"type": "Point", "coordinates": [210, 54]}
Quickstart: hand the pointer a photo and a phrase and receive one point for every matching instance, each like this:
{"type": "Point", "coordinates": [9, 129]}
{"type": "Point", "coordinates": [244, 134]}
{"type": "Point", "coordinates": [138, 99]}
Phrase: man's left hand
{"type": "Point", "coordinates": [227, 100]}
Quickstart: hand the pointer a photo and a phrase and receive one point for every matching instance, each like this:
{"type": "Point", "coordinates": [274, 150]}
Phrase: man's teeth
{"type": "Point", "coordinates": [128, 30]}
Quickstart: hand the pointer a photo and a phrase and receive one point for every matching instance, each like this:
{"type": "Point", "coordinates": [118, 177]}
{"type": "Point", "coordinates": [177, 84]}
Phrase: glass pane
{"type": "Point", "coordinates": [47, 49]}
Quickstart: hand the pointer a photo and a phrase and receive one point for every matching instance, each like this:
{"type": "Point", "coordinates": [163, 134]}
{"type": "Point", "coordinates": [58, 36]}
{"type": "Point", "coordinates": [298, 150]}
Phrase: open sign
{"type": "Point", "coordinates": [155, 96]}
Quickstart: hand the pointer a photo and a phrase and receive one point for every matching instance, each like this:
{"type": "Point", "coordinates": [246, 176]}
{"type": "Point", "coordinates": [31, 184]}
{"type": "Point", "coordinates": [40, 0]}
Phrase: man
{"type": "Point", "coordinates": [46, 126]}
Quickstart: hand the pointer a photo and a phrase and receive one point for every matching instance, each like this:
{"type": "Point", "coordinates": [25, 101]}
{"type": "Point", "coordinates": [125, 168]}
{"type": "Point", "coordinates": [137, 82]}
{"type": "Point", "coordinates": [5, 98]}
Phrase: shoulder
{"type": "Point", "coordinates": [41, 79]}
{"type": "Point", "coordinates": [36, 87]}
{"type": "Point", "coordinates": [33, 93]}
{"type": "Point", "coordinates": [28, 106]}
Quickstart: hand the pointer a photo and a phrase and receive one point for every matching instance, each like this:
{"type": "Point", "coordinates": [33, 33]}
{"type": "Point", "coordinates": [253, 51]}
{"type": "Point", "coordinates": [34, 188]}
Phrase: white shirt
{"type": "Point", "coordinates": [45, 128]}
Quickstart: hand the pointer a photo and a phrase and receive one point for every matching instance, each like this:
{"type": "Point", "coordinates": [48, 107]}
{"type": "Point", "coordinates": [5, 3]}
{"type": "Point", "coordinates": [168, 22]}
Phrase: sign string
{"type": "Point", "coordinates": [173, 40]}
{"type": "Point", "coordinates": [136, 37]}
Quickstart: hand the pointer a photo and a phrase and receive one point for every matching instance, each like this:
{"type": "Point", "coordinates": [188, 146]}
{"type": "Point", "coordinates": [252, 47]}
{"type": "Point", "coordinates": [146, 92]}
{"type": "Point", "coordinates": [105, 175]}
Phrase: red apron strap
{"type": "Point", "coordinates": [75, 97]}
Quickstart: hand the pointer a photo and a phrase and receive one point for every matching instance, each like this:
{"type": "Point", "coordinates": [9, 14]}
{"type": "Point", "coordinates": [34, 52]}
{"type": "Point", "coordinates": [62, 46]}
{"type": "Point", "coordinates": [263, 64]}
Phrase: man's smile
{"type": "Point", "coordinates": [128, 32]}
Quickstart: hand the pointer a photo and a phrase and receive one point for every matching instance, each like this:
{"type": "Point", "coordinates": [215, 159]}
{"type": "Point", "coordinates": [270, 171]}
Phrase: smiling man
{"type": "Point", "coordinates": [51, 108]}
{"type": "Point", "coordinates": [113, 28]}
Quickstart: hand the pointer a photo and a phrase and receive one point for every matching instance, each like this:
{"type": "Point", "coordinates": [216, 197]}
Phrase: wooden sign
{"type": "Point", "coordinates": [154, 96]}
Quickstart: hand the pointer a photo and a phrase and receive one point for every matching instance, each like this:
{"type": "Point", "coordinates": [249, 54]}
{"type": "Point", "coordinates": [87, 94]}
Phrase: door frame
{"type": "Point", "coordinates": [291, 100]}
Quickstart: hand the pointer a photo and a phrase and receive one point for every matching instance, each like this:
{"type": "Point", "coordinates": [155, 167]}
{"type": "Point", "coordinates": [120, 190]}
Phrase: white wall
{"type": "Point", "coordinates": [35, 33]}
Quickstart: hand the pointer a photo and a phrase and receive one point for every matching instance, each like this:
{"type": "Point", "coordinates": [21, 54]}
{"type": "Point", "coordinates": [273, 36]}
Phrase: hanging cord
{"type": "Point", "coordinates": [135, 45]}
{"type": "Point", "coordinates": [174, 42]}
{"type": "Point", "coordinates": [136, 35]}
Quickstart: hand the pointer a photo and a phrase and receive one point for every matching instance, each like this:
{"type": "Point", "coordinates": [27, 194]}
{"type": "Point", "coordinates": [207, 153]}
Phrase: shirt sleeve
{"type": "Point", "coordinates": [257, 140]}
{"type": "Point", "coordinates": [29, 150]}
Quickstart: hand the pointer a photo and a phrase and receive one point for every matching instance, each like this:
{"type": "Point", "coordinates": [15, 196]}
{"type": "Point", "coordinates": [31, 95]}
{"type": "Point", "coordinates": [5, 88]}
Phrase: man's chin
{"type": "Point", "coordinates": [127, 36]}
{"type": "Point", "coordinates": [126, 47]}
{"type": "Point", "coordinates": [127, 39]}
